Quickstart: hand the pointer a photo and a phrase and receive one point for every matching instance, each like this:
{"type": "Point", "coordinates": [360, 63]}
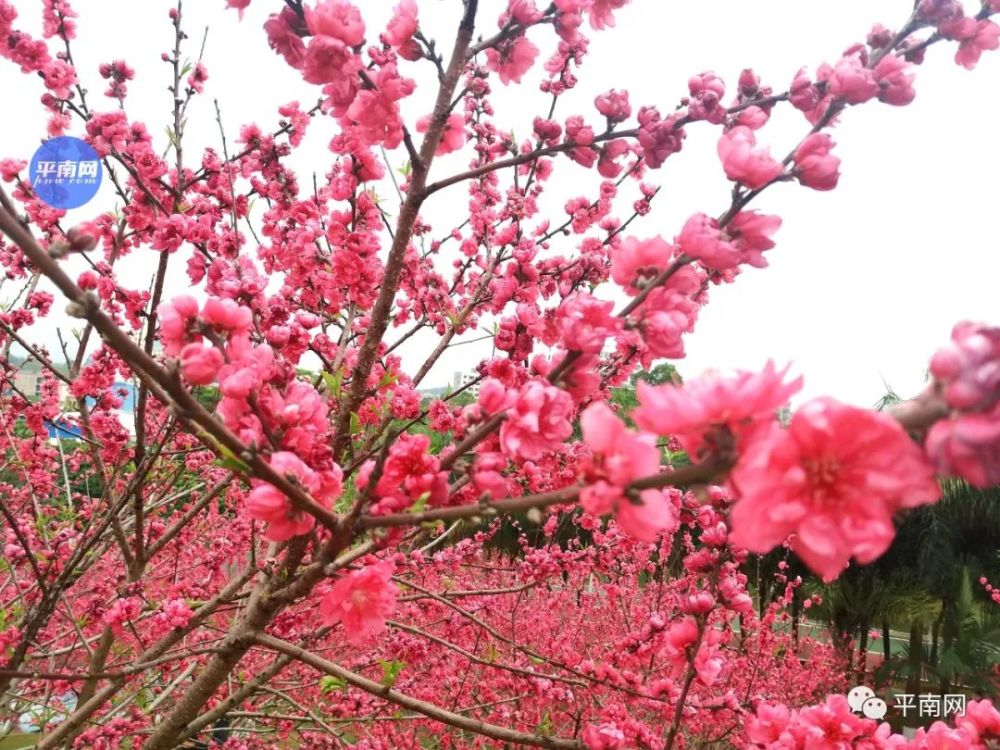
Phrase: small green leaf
{"type": "Point", "coordinates": [544, 727]}
{"type": "Point", "coordinates": [355, 423]}
{"type": "Point", "coordinates": [390, 671]}
{"type": "Point", "coordinates": [421, 503]}
{"type": "Point", "coordinates": [334, 382]}
{"type": "Point", "coordinates": [234, 464]}
{"type": "Point", "coordinates": [328, 684]}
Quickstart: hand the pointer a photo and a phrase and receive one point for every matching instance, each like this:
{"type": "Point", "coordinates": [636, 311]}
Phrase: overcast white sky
{"type": "Point", "coordinates": [865, 281]}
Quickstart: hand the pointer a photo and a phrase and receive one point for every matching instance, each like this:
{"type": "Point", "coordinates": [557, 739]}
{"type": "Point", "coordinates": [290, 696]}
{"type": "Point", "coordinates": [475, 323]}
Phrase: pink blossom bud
{"type": "Point", "coordinates": [815, 166]}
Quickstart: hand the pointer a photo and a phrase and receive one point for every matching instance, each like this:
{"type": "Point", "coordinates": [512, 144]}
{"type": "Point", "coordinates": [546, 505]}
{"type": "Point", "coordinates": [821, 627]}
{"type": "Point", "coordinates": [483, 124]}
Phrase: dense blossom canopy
{"type": "Point", "coordinates": [292, 535]}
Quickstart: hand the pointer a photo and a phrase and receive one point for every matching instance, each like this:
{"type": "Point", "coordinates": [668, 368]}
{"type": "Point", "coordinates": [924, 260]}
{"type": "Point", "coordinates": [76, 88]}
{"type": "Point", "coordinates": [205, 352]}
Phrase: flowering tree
{"type": "Point", "coordinates": [277, 557]}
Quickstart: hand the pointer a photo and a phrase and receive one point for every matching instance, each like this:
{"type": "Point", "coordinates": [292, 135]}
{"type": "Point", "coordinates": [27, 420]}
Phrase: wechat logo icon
{"type": "Point", "coordinates": [863, 700]}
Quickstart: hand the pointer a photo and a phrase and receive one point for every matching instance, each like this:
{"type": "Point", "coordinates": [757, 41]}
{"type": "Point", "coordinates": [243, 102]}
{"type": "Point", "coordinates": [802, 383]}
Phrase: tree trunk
{"type": "Point", "coordinates": [863, 653]}
{"type": "Point", "coordinates": [796, 614]}
{"type": "Point", "coordinates": [915, 658]}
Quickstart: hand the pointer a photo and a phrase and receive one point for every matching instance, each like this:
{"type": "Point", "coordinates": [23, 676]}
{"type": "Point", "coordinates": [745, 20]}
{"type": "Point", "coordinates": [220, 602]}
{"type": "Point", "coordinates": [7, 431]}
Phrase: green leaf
{"type": "Point", "coordinates": [233, 464]}
{"type": "Point", "coordinates": [334, 382]}
{"type": "Point", "coordinates": [355, 423]}
{"type": "Point", "coordinates": [421, 503]}
{"type": "Point", "coordinates": [544, 727]}
{"type": "Point", "coordinates": [390, 671]}
{"type": "Point", "coordinates": [328, 684]}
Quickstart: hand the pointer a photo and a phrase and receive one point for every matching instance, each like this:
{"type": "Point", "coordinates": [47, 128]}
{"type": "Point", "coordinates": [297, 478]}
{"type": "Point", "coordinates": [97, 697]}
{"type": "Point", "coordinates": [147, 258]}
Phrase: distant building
{"type": "Point", "coordinates": [463, 379]}
{"type": "Point", "coordinates": [28, 379]}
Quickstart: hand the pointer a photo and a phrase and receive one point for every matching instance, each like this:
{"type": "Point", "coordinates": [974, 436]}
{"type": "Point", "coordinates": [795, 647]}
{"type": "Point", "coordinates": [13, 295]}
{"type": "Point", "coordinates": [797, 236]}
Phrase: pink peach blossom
{"type": "Point", "coordinates": [452, 136]}
{"type": "Point", "coordinates": [603, 737]}
{"type": "Point", "coordinates": [975, 36]}
{"type": "Point", "coordinates": [282, 37]}
{"type": "Point", "coordinates": [702, 239]}
{"type": "Point", "coordinates": [637, 262]}
{"type": "Point", "coordinates": [968, 368]}
{"type": "Point", "coordinates": [338, 19]}
{"type": "Point", "coordinates": [750, 232]}
{"type": "Point", "coordinates": [403, 24]}
{"type": "Point", "coordinates": [267, 503]}
{"type": "Point", "coordinates": [967, 446]}
{"type": "Point", "coordinates": [743, 403]}
{"type": "Point", "coordinates": [895, 80]}
{"type": "Point", "coordinates": [815, 166]}
{"type": "Point", "coordinates": [538, 421]}
{"type": "Point", "coordinates": [176, 323]}
{"type": "Point", "coordinates": [512, 60]}
{"type": "Point", "coordinates": [834, 478]}
{"type": "Point", "coordinates": [851, 81]}
{"type": "Point", "coordinates": [200, 364]}
{"type": "Point", "coordinates": [585, 323]}
{"type": "Point", "coordinates": [746, 162]}
{"type": "Point", "coordinates": [240, 5]}
{"type": "Point", "coordinates": [328, 60]}
{"type": "Point", "coordinates": [361, 601]}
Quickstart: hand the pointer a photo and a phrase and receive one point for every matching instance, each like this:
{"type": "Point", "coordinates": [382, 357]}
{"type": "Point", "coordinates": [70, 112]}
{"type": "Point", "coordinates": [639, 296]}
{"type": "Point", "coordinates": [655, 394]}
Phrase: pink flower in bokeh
{"type": "Point", "coordinates": [198, 77]}
{"type": "Point", "coordinates": [176, 613]}
{"type": "Point", "coordinates": [329, 61]}
{"type": "Point", "coordinates": [176, 323]}
{"type": "Point", "coordinates": [240, 5]}
{"type": "Point", "coordinates": [815, 166]}
{"type": "Point", "coordinates": [603, 737]}
{"type": "Point", "coordinates": [645, 518]}
{"type": "Point", "coordinates": [614, 105]}
{"type": "Point", "coordinates": [702, 239]}
{"type": "Point", "coordinates": [267, 503]}
{"type": "Point", "coordinates": [744, 403]}
{"type": "Point", "coordinates": [538, 421]}
{"type": "Point", "coordinates": [375, 112]}
{"type": "Point", "coordinates": [895, 80]}
{"type": "Point", "coordinates": [620, 456]}
{"type": "Point", "coordinates": [851, 81]}
{"type": "Point", "coordinates": [228, 316]}
{"type": "Point", "coordinates": [512, 60]}
{"type": "Point", "coordinates": [453, 135]}
{"type": "Point", "coordinates": [200, 364]}
{"type": "Point", "coordinates": [402, 26]}
{"type": "Point", "coordinates": [59, 77]}
{"type": "Point", "coordinates": [658, 137]}
{"type": "Point", "coordinates": [336, 18]}
{"type": "Point", "coordinates": [601, 13]}
{"type": "Point", "coordinates": [967, 446]}
{"type": "Point", "coordinates": [585, 323]}
{"type": "Point", "coordinates": [637, 262]}
{"type": "Point", "coordinates": [282, 37]}
{"type": "Point", "coordinates": [361, 601]}
{"type": "Point", "coordinates": [745, 161]}
{"type": "Point", "coordinates": [968, 368]}
{"type": "Point", "coordinates": [834, 477]}
{"type": "Point", "coordinates": [750, 232]}
{"type": "Point", "coordinates": [975, 36]}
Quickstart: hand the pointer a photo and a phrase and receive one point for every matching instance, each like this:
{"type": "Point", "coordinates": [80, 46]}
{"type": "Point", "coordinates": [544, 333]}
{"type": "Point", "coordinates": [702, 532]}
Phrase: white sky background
{"type": "Point", "coordinates": [865, 282]}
